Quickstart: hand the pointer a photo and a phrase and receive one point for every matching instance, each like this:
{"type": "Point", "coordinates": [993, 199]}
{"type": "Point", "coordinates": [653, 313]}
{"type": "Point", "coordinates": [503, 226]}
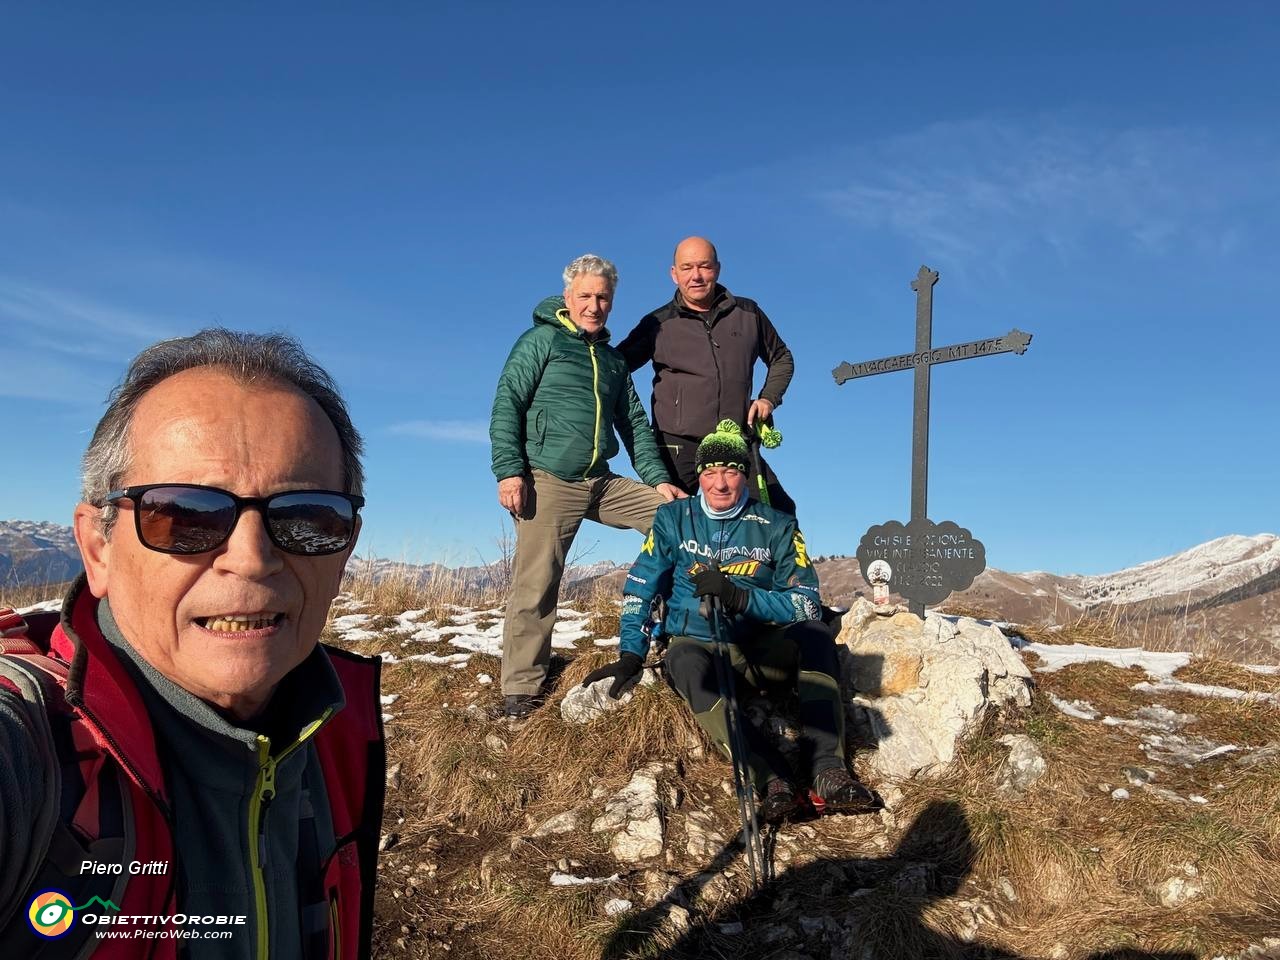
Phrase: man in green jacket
{"type": "Point", "coordinates": [562, 393]}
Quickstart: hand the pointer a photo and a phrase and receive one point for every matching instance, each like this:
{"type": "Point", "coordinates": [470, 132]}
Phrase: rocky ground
{"type": "Point", "coordinates": [1048, 794]}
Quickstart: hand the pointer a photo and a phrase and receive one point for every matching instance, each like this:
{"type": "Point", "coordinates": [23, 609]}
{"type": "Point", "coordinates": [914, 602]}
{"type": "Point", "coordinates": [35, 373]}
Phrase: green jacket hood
{"type": "Point", "coordinates": [553, 312]}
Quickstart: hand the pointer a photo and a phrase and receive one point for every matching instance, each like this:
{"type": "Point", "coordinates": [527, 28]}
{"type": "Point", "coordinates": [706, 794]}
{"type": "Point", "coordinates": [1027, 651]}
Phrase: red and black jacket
{"type": "Point", "coordinates": [115, 807]}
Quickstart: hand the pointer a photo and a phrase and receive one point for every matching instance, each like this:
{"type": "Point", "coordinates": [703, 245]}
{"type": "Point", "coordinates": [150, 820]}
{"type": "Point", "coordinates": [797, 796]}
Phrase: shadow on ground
{"type": "Point", "coordinates": [860, 909]}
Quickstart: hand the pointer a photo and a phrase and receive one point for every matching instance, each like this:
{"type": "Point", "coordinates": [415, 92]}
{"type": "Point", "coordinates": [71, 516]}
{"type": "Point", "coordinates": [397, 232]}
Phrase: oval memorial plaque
{"type": "Point", "coordinates": [929, 560]}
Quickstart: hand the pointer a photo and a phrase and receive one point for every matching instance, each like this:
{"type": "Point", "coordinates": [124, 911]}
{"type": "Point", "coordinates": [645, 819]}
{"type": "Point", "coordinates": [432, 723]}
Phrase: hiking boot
{"type": "Point", "coordinates": [780, 801]}
{"type": "Point", "coordinates": [840, 792]}
{"type": "Point", "coordinates": [518, 706]}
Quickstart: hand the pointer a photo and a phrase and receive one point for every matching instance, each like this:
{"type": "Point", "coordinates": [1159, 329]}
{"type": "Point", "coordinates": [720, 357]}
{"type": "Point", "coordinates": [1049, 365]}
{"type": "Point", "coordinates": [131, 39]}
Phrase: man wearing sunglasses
{"type": "Point", "coordinates": [183, 745]}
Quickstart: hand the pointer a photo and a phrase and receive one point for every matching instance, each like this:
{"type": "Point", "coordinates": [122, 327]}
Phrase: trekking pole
{"type": "Point", "coordinates": [737, 746]}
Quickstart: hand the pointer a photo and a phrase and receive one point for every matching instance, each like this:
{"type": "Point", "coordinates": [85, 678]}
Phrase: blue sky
{"type": "Point", "coordinates": [399, 188]}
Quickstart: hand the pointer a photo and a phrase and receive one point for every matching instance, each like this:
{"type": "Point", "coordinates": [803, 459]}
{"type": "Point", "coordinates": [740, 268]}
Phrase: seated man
{"type": "Point", "coordinates": [752, 558]}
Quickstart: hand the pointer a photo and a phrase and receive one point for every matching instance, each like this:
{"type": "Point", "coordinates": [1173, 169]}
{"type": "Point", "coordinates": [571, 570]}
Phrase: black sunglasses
{"type": "Point", "coordinates": [187, 518]}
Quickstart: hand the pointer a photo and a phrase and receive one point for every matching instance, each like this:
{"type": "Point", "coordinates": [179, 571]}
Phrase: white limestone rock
{"type": "Point", "coordinates": [616, 906]}
{"type": "Point", "coordinates": [702, 841]}
{"type": "Point", "coordinates": [561, 823]}
{"type": "Point", "coordinates": [1179, 890]}
{"type": "Point", "coordinates": [918, 687]}
{"type": "Point", "coordinates": [1025, 764]}
{"type": "Point", "coordinates": [634, 816]}
{"type": "Point", "coordinates": [583, 704]}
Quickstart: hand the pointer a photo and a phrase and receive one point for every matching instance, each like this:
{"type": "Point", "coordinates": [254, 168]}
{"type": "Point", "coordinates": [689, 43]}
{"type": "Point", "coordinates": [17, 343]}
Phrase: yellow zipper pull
{"type": "Point", "coordinates": [268, 782]}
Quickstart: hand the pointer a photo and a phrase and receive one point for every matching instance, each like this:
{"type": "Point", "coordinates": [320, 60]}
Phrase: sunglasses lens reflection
{"type": "Point", "coordinates": [185, 521]}
{"type": "Point", "coordinates": [189, 521]}
{"type": "Point", "coordinates": [311, 523]}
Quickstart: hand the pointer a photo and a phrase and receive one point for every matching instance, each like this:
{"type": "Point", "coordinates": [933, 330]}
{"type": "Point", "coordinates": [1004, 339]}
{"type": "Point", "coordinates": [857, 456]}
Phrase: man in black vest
{"type": "Point", "coordinates": [704, 345]}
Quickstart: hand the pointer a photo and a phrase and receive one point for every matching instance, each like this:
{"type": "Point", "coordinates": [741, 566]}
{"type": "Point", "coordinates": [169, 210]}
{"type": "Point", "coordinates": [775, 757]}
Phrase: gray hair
{"type": "Point", "coordinates": [248, 357]}
{"type": "Point", "coordinates": [592, 266]}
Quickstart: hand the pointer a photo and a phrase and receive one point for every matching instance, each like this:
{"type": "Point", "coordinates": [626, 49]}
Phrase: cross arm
{"type": "Point", "coordinates": [1015, 341]}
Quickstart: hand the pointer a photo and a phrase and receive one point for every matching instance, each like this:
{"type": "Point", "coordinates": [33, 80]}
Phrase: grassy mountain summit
{"type": "Point", "coordinates": [1154, 829]}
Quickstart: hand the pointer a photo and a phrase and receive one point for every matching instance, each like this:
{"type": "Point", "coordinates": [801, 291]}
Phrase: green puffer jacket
{"type": "Point", "coordinates": [559, 399]}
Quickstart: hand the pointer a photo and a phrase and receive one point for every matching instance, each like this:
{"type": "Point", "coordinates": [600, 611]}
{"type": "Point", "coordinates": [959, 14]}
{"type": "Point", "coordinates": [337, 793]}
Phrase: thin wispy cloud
{"type": "Point", "coordinates": [68, 312]}
{"type": "Point", "coordinates": [456, 431]}
{"type": "Point", "coordinates": [72, 344]}
{"type": "Point", "coordinates": [986, 190]}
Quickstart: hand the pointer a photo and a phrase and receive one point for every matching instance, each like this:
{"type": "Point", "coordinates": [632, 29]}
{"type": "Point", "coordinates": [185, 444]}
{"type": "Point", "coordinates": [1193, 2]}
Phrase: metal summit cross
{"type": "Point", "coordinates": [931, 559]}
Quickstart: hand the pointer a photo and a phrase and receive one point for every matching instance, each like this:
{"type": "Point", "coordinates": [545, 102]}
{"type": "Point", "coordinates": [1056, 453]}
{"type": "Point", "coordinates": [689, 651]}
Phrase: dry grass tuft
{"type": "Point", "coordinates": [402, 588]}
{"type": "Point", "coordinates": [604, 607]}
{"type": "Point", "coordinates": [1226, 673]}
{"type": "Point", "coordinates": [28, 594]}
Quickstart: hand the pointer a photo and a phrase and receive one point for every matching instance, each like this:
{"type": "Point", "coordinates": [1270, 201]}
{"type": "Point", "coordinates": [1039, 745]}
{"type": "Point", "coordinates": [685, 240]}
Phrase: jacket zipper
{"type": "Point", "coordinates": [715, 362]}
{"type": "Point", "coordinates": [264, 792]}
{"type": "Point", "coordinates": [595, 390]}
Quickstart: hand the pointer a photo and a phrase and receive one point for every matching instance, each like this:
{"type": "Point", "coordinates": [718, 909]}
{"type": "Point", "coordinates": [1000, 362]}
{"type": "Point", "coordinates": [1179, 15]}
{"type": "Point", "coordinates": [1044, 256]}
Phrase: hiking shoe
{"type": "Point", "coordinates": [780, 801]}
{"type": "Point", "coordinates": [518, 706]}
{"type": "Point", "coordinates": [841, 793]}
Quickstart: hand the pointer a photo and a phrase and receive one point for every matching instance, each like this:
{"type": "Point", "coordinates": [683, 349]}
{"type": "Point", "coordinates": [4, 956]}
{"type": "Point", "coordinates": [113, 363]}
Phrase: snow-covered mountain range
{"type": "Point", "coordinates": [34, 552]}
{"type": "Point", "coordinates": [1229, 587]}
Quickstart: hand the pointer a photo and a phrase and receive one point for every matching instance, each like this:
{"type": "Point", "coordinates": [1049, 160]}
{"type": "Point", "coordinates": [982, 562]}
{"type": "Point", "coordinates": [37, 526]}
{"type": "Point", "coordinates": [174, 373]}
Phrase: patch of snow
{"type": "Point", "coordinates": [466, 616]}
{"type": "Point", "coordinates": [1156, 717]}
{"type": "Point", "coordinates": [424, 634]}
{"type": "Point", "coordinates": [360, 636]}
{"type": "Point", "coordinates": [565, 634]}
{"type": "Point", "coordinates": [389, 699]}
{"type": "Point", "coordinates": [484, 679]}
{"type": "Point", "coordinates": [452, 659]}
{"type": "Point", "coordinates": [1218, 751]}
{"type": "Point", "coordinates": [559, 879]}
{"type": "Point", "coordinates": [1206, 690]}
{"type": "Point", "coordinates": [1266, 669]}
{"type": "Point", "coordinates": [1080, 709]}
{"type": "Point", "coordinates": [351, 621]}
{"type": "Point", "coordinates": [607, 642]}
{"type": "Point", "coordinates": [490, 644]}
{"type": "Point", "coordinates": [1157, 664]}
{"type": "Point", "coordinates": [461, 630]}
{"type": "Point", "coordinates": [44, 606]}
{"type": "Point", "coordinates": [1186, 751]}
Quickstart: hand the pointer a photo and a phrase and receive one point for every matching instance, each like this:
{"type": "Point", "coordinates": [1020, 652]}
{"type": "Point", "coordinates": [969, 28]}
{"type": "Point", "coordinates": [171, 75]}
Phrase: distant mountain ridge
{"type": "Point", "coordinates": [480, 576]}
{"type": "Point", "coordinates": [35, 552]}
{"type": "Point", "coordinates": [1229, 586]}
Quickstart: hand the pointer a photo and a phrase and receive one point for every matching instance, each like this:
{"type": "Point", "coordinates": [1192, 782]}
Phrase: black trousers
{"type": "Point", "coordinates": [800, 657]}
{"type": "Point", "coordinates": [680, 453]}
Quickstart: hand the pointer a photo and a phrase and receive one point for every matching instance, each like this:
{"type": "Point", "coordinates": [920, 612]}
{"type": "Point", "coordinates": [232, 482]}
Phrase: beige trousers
{"type": "Point", "coordinates": [543, 538]}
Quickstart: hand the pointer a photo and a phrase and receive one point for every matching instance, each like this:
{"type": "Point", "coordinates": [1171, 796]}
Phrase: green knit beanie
{"type": "Point", "coordinates": [723, 448]}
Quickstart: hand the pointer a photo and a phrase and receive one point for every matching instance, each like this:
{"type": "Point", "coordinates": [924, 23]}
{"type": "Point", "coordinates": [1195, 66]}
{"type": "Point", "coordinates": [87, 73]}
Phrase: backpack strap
{"type": "Point", "coordinates": [39, 690]}
{"type": "Point", "coordinates": [83, 813]}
